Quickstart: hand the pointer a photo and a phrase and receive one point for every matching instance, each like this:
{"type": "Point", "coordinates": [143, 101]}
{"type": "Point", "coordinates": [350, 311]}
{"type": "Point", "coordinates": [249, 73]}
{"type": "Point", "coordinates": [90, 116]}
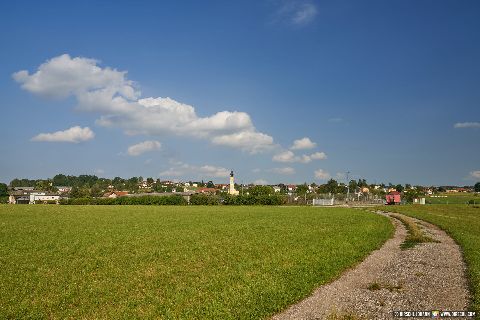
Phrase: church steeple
{"type": "Point", "coordinates": [232, 190]}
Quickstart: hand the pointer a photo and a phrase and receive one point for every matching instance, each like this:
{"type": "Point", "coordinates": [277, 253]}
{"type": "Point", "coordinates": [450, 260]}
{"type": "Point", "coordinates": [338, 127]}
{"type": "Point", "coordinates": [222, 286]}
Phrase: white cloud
{"type": "Point", "coordinates": [206, 171]}
{"type": "Point", "coordinates": [318, 156]}
{"type": "Point", "coordinates": [250, 141]}
{"type": "Point", "coordinates": [467, 125]}
{"type": "Point", "coordinates": [285, 156]}
{"type": "Point", "coordinates": [475, 174]}
{"type": "Point", "coordinates": [284, 170]}
{"type": "Point", "coordinates": [289, 157]}
{"type": "Point", "coordinates": [296, 12]}
{"type": "Point", "coordinates": [62, 76]}
{"type": "Point", "coordinates": [260, 182]}
{"type": "Point", "coordinates": [322, 175]}
{"type": "Point", "coordinates": [75, 134]}
{"type": "Point", "coordinates": [142, 147]}
{"type": "Point", "coordinates": [304, 143]}
{"type": "Point", "coordinates": [109, 93]}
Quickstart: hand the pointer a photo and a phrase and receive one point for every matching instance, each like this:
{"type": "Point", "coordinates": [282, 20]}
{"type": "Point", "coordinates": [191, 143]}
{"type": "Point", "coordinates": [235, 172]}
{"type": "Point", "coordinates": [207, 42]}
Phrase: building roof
{"type": "Point", "coordinates": [394, 193]}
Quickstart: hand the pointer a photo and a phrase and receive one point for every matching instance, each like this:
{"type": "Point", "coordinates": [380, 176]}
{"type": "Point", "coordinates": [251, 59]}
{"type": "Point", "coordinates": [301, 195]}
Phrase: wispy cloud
{"type": "Point", "coordinates": [460, 125]}
{"type": "Point", "coordinates": [260, 182]}
{"type": "Point", "coordinates": [475, 174]}
{"type": "Point", "coordinates": [335, 120]}
{"type": "Point", "coordinates": [181, 169]}
{"type": "Point", "coordinates": [289, 157]}
{"type": "Point", "coordinates": [284, 170]}
{"type": "Point", "coordinates": [75, 134]}
{"type": "Point", "coordinates": [321, 174]}
{"type": "Point", "coordinates": [304, 14]}
{"type": "Point", "coordinates": [142, 147]}
{"type": "Point", "coordinates": [296, 12]}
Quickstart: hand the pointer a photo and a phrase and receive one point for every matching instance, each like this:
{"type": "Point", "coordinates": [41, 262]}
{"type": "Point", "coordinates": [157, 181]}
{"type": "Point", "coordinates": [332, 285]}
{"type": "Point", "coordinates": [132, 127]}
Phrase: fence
{"type": "Point", "coordinates": [323, 202]}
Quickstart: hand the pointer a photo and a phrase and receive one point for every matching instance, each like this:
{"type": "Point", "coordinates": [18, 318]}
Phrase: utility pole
{"type": "Point", "coordinates": [348, 186]}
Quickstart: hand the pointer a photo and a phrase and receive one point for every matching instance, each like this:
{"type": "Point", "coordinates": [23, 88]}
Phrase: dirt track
{"type": "Point", "coordinates": [430, 276]}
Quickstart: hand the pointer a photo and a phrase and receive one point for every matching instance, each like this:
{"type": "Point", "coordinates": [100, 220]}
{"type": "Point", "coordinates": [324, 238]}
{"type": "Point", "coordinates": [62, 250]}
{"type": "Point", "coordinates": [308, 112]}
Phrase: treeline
{"type": "Point", "coordinates": [84, 186]}
{"type": "Point", "coordinates": [174, 200]}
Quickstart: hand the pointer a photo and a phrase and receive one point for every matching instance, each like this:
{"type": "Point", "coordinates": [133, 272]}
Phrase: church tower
{"type": "Point", "coordinates": [232, 190]}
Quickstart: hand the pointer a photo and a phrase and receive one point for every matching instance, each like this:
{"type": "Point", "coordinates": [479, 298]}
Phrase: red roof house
{"type": "Point", "coordinates": [393, 197]}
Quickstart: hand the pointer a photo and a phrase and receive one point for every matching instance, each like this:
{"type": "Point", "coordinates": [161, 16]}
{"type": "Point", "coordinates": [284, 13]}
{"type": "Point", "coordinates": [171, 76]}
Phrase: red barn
{"type": "Point", "coordinates": [393, 197]}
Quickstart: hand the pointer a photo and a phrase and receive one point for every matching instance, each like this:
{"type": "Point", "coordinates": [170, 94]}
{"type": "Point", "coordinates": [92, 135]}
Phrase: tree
{"type": "Point", "coordinates": [3, 190]}
{"type": "Point", "coordinates": [411, 194]}
{"type": "Point", "coordinates": [45, 185]}
{"type": "Point", "coordinates": [75, 192]}
{"type": "Point", "coordinates": [260, 190]}
{"type": "Point", "coordinates": [352, 185]}
{"type": "Point", "coordinates": [150, 181]}
{"type": "Point", "coordinates": [210, 184]}
{"type": "Point", "coordinates": [96, 191]}
{"type": "Point", "coordinates": [362, 183]}
{"type": "Point", "coordinates": [399, 187]}
{"type": "Point", "coordinates": [22, 183]}
{"type": "Point", "coordinates": [332, 186]}
{"type": "Point", "coordinates": [476, 187]}
{"type": "Point", "coordinates": [302, 189]}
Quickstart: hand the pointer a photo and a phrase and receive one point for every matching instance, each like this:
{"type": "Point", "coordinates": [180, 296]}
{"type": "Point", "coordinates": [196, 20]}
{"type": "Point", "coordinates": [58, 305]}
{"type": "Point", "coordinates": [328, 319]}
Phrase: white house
{"type": "Point", "coordinates": [43, 197]}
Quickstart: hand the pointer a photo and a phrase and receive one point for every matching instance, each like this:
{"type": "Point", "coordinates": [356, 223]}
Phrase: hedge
{"type": "Point", "coordinates": [143, 200]}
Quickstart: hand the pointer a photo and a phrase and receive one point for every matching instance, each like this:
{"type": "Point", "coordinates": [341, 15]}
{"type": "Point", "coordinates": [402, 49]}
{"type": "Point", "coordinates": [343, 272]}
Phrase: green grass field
{"type": "Point", "coordinates": [453, 198]}
{"type": "Point", "coordinates": [174, 262]}
{"type": "Point", "coordinates": [462, 222]}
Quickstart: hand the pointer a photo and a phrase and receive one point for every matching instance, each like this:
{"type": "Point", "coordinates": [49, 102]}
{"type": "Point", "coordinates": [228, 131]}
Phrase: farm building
{"type": "Point", "coordinates": [393, 197]}
{"type": "Point", "coordinates": [32, 197]}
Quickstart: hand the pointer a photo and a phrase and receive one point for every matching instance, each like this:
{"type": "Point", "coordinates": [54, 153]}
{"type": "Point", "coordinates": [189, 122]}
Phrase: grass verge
{"type": "Point", "coordinates": [124, 262]}
{"type": "Point", "coordinates": [415, 233]}
{"type": "Point", "coordinates": [462, 223]}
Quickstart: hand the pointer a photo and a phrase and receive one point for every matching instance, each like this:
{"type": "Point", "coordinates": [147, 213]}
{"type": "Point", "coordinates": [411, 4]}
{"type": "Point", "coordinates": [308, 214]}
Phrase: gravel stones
{"type": "Point", "coordinates": [429, 276]}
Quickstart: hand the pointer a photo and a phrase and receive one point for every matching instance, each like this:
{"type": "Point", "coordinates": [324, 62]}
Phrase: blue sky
{"type": "Point", "coordinates": [388, 90]}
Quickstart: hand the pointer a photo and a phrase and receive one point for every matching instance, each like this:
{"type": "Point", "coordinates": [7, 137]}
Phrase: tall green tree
{"type": "Point", "coordinates": [476, 187]}
{"type": "Point", "coordinates": [260, 190]}
{"type": "Point", "coordinates": [3, 190]}
{"type": "Point", "coordinates": [210, 184]}
{"type": "Point", "coordinates": [302, 189]}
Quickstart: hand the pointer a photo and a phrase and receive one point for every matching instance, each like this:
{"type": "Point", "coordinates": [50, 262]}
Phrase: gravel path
{"type": "Point", "coordinates": [430, 276]}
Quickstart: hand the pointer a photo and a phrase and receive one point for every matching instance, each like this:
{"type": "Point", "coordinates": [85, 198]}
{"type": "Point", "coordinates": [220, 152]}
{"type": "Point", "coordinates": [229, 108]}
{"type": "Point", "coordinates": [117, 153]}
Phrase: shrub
{"type": "Point", "coordinates": [204, 199]}
{"type": "Point", "coordinates": [143, 200]}
{"type": "Point", "coordinates": [273, 200]}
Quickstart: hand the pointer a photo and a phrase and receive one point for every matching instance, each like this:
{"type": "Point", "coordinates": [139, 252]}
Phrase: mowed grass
{"type": "Point", "coordinates": [174, 262]}
{"type": "Point", "coordinates": [462, 222]}
{"type": "Point", "coordinates": [453, 198]}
